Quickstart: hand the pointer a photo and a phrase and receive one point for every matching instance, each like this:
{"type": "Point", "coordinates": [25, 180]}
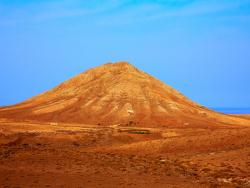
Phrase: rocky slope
{"type": "Point", "coordinates": [117, 93]}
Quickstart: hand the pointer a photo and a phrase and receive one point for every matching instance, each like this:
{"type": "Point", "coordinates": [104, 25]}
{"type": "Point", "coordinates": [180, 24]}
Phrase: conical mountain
{"type": "Point", "coordinates": [117, 93]}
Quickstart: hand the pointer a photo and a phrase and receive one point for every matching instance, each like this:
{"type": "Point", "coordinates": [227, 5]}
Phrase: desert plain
{"type": "Point", "coordinates": [34, 154]}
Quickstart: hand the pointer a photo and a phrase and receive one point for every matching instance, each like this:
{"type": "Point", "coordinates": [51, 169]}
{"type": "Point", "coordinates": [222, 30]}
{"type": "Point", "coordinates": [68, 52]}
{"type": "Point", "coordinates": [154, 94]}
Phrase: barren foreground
{"type": "Point", "coordinates": [34, 154]}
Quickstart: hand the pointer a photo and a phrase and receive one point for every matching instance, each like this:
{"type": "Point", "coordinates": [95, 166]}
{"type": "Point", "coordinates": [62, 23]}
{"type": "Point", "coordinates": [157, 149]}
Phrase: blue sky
{"type": "Point", "coordinates": [200, 47]}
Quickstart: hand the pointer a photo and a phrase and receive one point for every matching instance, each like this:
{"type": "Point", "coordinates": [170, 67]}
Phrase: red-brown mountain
{"type": "Point", "coordinates": [117, 93]}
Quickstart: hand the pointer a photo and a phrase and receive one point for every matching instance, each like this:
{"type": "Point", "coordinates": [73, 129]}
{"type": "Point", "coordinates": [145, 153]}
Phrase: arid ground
{"type": "Point", "coordinates": [34, 154]}
{"type": "Point", "coordinates": [116, 126]}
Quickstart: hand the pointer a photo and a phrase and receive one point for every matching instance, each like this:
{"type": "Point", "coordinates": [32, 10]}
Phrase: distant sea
{"type": "Point", "coordinates": [232, 110]}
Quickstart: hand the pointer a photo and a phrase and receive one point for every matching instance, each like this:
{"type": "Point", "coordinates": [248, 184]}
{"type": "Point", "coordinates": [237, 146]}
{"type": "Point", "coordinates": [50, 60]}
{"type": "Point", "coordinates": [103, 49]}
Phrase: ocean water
{"type": "Point", "coordinates": [232, 110]}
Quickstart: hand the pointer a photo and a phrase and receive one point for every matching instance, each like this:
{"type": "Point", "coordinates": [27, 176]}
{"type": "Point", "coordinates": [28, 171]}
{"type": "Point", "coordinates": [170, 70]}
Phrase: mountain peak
{"type": "Point", "coordinates": [122, 65]}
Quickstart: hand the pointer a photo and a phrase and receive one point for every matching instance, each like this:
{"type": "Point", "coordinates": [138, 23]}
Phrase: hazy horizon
{"type": "Point", "coordinates": [200, 48]}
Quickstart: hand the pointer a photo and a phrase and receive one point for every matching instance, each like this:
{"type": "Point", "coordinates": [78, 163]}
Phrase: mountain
{"type": "Point", "coordinates": [117, 93]}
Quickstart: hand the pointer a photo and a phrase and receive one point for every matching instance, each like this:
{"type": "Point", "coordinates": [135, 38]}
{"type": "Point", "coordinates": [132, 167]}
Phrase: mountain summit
{"type": "Point", "coordinates": [116, 93]}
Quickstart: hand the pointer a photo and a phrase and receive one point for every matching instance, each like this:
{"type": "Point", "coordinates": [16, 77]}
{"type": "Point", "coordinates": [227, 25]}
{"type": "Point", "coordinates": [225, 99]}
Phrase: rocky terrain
{"type": "Point", "coordinates": [117, 93]}
{"type": "Point", "coordinates": [77, 155]}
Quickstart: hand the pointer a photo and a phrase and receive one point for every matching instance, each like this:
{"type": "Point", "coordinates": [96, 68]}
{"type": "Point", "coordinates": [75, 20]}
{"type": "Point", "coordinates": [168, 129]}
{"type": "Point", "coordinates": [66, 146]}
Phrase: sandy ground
{"type": "Point", "coordinates": [246, 116]}
{"type": "Point", "coordinates": [34, 154]}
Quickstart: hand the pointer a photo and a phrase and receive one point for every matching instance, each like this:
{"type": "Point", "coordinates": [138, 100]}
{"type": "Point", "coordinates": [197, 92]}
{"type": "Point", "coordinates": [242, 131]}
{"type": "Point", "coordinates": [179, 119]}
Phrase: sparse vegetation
{"type": "Point", "coordinates": [139, 132]}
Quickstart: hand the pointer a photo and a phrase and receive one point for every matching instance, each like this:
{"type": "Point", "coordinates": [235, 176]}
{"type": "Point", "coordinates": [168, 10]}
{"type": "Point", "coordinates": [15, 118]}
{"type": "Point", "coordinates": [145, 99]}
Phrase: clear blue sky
{"type": "Point", "coordinates": [200, 47]}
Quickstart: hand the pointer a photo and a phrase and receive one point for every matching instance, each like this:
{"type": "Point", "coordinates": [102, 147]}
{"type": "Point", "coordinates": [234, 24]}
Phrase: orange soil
{"type": "Point", "coordinates": [36, 154]}
{"type": "Point", "coordinates": [116, 126]}
{"type": "Point", "coordinates": [118, 94]}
